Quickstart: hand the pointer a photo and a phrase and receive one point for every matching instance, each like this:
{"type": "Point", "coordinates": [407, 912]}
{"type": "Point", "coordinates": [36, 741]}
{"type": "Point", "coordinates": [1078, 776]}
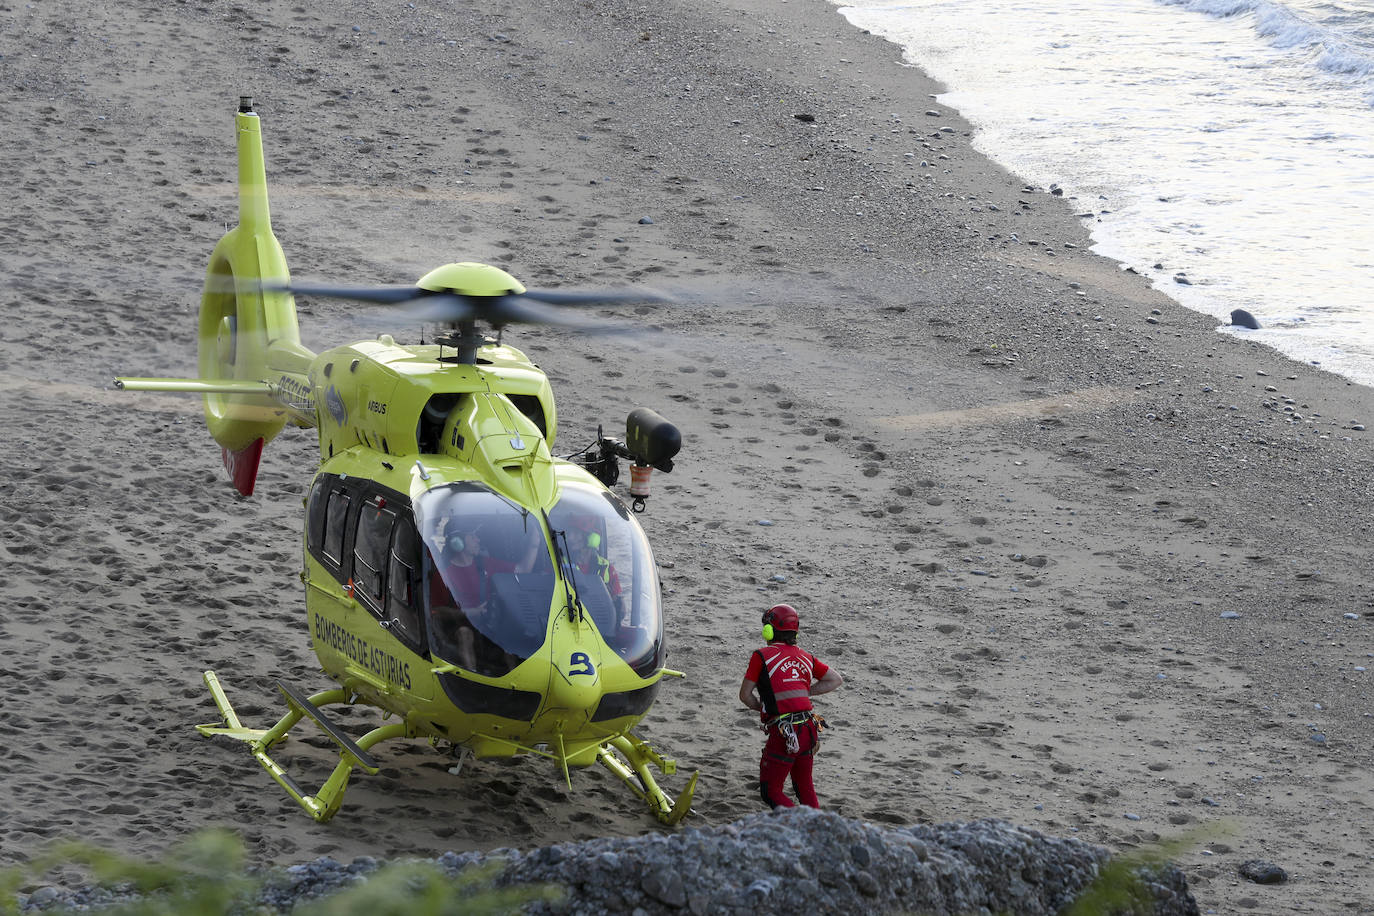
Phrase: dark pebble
{"type": "Point", "coordinates": [1262, 872]}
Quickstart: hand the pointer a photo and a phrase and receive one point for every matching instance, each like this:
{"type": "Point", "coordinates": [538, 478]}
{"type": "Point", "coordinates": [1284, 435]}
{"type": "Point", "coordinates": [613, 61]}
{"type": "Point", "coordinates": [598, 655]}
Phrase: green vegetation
{"type": "Point", "coordinates": [1121, 888]}
{"type": "Point", "coordinates": [204, 876]}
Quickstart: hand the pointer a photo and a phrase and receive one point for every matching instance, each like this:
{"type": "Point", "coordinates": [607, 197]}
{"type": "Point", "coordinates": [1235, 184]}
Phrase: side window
{"type": "Point", "coordinates": [314, 518]}
{"type": "Point", "coordinates": [335, 524]}
{"type": "Point", "coordinates": [403, 592]}
{"type": "Point", "coordinates": [371, 546]}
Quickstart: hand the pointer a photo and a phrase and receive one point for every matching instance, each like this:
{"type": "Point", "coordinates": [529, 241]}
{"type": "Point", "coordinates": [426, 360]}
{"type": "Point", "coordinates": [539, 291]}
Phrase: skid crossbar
{"type": "Point", "coordinates": [297, 699]}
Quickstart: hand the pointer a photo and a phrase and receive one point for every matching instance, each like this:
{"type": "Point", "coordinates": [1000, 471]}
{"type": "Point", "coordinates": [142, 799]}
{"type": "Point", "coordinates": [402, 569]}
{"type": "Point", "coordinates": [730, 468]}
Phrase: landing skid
{"type": "Point", "coordinates": [624, 755]}
{"type": "Point", "coordinates": [628, 757]}
{"type": "Point", "coordinates": [325, 803]}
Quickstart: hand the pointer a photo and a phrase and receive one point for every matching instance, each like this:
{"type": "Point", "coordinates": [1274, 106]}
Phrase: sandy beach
{"type": "Point", "coordinates": [1085, 563]}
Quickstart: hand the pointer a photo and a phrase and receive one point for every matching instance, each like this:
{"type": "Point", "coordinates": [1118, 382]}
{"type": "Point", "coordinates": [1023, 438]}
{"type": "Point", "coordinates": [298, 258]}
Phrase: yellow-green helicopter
{"type": "Point", "coordinates": [493, 598]}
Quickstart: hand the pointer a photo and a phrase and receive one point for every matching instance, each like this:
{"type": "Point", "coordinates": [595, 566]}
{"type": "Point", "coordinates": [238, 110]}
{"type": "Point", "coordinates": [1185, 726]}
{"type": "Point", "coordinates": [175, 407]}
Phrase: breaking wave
{"type": "Point", "coordinates": [1340, 41]}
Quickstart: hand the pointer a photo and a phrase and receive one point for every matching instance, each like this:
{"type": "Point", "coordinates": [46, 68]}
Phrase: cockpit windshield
{"type": "Point", "coordinates": [613, 572]}
{"type": "Point", "coordinates": [491, 579]}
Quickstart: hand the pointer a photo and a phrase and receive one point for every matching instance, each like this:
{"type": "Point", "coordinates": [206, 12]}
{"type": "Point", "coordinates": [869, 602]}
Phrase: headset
{"type": "Point", "coordinates": [768, 617]}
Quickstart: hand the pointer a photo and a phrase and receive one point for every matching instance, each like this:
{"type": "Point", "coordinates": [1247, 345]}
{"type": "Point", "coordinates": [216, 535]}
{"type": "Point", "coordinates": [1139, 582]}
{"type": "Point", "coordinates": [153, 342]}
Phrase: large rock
{"type": "Point", "coordinates": [784, 862]}
{"type": "Point", "coordinates": [801, 860]}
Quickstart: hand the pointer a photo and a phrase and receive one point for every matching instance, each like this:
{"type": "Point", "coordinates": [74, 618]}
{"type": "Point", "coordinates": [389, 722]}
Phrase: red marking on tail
{"type": "Point", "coordinates": [242, 466]}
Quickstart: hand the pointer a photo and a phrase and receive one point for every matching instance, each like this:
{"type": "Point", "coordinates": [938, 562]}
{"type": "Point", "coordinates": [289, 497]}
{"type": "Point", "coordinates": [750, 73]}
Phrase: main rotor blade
{"type": "Point", "coordinates": [592, 296]}
{"type": "Point", "coordinates": [523, 309]}
{"type": "Point", "coordinates": [382, 295]}
{"type": "Point", "coordinates": [451, 306]}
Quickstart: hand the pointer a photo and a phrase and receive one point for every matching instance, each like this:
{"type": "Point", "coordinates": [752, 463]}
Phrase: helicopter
{"type": "Point", "coordinates": [492, 598]}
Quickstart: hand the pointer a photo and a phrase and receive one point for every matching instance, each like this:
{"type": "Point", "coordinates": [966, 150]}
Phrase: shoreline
{"type": "Point", "coordinates": [1161, 202]}
{"type": "Point", "coordinates": [1011, 488]}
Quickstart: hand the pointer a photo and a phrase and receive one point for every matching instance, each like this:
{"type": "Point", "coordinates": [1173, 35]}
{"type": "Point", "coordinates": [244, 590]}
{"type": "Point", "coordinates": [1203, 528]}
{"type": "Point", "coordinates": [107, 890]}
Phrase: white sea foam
{"type": "Point", "coordinates": [1340, 38]}
{"type": "Point", "coordinates": [1198, 143]}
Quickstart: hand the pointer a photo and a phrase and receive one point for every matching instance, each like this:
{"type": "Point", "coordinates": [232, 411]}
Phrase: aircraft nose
{"type": "Point", "coordinates": [574, 685]}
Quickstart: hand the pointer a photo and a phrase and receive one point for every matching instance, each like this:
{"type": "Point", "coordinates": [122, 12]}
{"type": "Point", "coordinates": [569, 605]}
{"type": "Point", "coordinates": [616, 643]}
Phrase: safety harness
{"type": "Point", "coordinates": [786, 723]}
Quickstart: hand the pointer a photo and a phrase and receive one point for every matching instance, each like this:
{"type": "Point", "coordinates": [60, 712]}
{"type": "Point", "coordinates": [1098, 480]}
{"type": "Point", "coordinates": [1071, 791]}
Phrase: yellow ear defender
{"type": "Point", "coordinates": [768, 632]}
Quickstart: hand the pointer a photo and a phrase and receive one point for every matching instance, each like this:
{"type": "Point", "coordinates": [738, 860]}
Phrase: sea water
{"type": "Point", "coordinates": [1223, 148]}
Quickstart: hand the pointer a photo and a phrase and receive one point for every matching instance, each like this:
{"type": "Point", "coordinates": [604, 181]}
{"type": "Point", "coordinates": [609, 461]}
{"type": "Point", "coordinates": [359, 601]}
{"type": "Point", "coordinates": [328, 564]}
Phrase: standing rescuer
{"type": "Point", "coordinates": [780, 682]}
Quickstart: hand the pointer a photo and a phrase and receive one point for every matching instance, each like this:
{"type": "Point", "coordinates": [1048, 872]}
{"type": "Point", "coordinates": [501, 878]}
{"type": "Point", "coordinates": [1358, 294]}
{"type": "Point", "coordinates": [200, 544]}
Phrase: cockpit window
{"type": "Point", "coordinates": [491, 583]}
{"type": "Point", "coordinates": [613, 572]}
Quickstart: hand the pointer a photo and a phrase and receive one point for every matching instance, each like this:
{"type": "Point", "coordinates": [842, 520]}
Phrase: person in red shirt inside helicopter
{"type": "Point", "coordinates": [780, 681]}
{"type": "Point", "coordinates": [462, 594]}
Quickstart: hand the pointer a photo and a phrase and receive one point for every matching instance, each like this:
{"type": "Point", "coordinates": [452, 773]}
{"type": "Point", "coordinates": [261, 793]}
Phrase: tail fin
{"type": "Point", "coordinates": [238, 318]}
{"type": "Point", "coordinates": [251, 362]}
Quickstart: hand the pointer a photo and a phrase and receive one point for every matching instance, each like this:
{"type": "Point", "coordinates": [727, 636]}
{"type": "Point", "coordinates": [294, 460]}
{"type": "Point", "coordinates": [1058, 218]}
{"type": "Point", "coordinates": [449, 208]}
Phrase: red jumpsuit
{"type": "Point", "coordinates": [790, 673]}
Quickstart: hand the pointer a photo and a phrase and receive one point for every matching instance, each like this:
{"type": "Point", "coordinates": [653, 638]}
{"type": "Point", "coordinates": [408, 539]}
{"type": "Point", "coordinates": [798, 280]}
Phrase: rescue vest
{"type": "Point", "coordinates": [785, 680]}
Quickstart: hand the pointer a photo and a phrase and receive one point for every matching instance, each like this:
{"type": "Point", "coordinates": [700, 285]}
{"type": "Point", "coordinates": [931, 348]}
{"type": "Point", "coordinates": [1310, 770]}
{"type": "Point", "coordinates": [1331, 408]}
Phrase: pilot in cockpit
{"type": "Point", "coordinates": [465, 569]}
{"type": "Point", "coordinates": [588, 558]}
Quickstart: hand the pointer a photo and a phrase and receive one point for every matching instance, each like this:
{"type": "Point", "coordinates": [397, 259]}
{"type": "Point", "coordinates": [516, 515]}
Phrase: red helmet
{"type": "Point", "coordinates": [781, 617]}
